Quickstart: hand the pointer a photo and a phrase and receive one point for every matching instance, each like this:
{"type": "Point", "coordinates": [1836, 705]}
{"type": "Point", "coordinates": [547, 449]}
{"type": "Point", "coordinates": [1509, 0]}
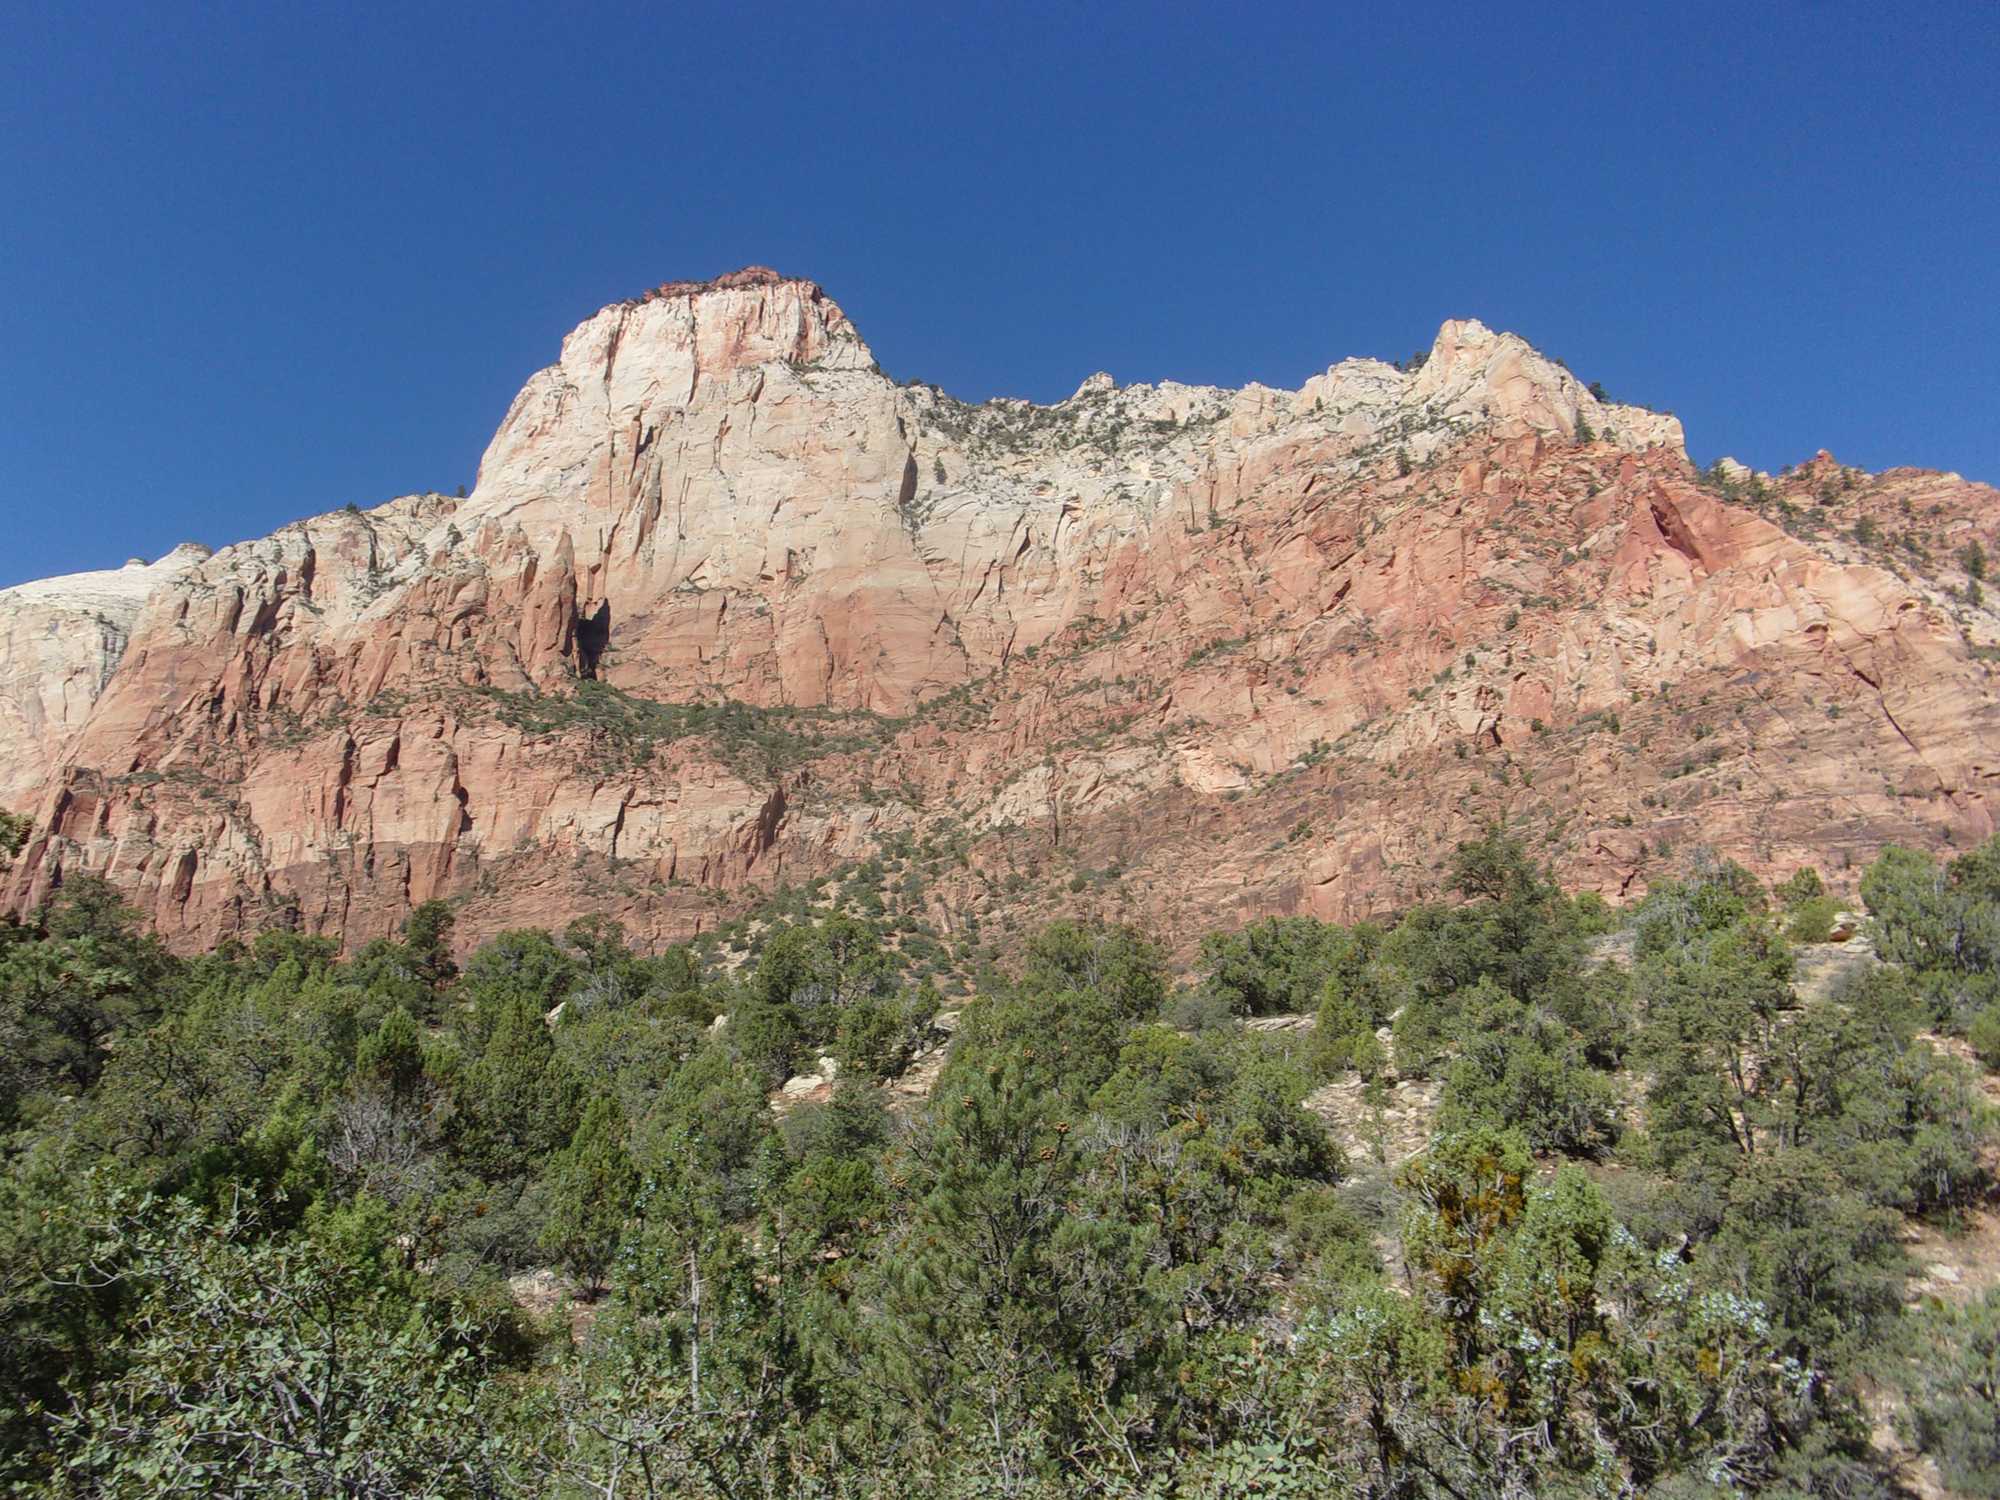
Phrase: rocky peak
{"type": "Point", "coordinates": [747, 318]}
{"type": "Point", "coordinates": [628, 370]}
{"type": "Point", "coordinates": [1474, 371]}
{"type": "Point", "coordinates": [1475, 379]}
{"type": "Point", "coordinates": [748, 276]}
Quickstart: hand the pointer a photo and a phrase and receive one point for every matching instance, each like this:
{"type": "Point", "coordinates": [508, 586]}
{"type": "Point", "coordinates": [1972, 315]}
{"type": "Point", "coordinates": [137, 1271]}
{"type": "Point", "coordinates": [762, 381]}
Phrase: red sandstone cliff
{"type": "Point", "coordinates": [1219, 652]}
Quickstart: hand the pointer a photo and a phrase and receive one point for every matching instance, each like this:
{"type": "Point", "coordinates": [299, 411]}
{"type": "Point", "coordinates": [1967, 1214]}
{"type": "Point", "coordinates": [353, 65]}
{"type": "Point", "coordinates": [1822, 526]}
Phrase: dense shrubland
{"type": "Point", "coordinates": [261, 1208]}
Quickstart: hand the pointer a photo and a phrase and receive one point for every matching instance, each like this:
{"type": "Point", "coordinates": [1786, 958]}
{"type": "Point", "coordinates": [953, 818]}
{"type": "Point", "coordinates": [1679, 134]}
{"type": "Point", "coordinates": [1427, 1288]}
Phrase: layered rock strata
{"type": "Point", "coordinates": [728, 607]}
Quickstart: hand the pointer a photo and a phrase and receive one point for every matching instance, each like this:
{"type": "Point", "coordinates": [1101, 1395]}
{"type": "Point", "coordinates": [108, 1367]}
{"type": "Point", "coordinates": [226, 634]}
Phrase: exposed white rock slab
{"type": "Point", "coordinates": [60, 641]}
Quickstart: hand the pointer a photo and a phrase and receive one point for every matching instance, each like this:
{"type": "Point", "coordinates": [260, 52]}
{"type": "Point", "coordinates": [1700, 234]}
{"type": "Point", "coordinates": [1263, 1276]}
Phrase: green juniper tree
{"type": "Point", "coordinates": [519, 1101]}
{"type": "Point", "coordinates": [592, 1186]}
{"type": "Point", "coordinates": [392, 1059]}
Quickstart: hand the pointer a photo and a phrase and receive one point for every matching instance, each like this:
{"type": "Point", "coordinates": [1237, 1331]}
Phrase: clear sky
{"type": "Point", "coordinates": [261, 260]}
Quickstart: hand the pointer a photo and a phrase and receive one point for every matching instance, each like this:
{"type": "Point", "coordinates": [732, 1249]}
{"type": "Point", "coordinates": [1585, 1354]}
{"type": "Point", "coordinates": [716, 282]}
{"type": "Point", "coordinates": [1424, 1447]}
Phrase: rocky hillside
{"type": "Point", "coordinates": [728, 609]}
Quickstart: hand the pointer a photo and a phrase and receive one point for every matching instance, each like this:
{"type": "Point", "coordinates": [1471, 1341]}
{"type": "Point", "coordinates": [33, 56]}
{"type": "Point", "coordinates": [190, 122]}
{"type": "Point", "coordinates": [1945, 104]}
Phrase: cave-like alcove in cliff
{"type": "Point", "coordinates": [593, 634]}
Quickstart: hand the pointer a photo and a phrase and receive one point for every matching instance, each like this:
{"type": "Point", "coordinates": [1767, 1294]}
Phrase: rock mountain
{"type": "Point", "coordinates": [728, 609]}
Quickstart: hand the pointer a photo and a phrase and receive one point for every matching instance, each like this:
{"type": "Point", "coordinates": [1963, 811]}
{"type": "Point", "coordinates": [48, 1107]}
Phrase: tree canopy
{"type": "Point", "coordinates": [538, 1218]}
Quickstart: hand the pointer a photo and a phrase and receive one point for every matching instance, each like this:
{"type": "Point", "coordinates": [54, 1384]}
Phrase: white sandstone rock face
{"type": "Point", "coordinates": [1475, 378]}
{"type": "Point", "coordinates": [1474, 372]}
{"type": "Point", "coordinates": [758, 511]}
{"type": "Point", "coordinates": [60, 641]}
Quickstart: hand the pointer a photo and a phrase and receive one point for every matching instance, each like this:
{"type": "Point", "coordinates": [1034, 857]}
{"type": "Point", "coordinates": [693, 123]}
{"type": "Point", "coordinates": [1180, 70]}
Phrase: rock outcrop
{"type": "Point", "coordinates": [727, 607]}
{"type": "Point", "coordinates": [60, 641]}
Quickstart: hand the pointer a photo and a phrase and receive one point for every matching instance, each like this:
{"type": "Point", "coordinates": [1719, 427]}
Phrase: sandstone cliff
{"type": "Point", "coordinates": [60, 641]}
{"type": "Point", "coordinates": [727, 606]}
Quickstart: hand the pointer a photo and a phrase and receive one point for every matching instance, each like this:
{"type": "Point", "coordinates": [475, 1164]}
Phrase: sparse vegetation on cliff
{"type": "Point", "coordinates": [1101, 421]}
{"type": "Point", "coordinates": [758, 744]}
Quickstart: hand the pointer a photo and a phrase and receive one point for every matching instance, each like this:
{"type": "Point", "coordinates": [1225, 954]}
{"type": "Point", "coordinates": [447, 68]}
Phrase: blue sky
{"type": "Point", "coordinates": [259, 261]}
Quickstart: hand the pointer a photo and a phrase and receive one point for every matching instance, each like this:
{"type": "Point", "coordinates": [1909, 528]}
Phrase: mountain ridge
{"type": "Point", "coordinates": [1076, 637]}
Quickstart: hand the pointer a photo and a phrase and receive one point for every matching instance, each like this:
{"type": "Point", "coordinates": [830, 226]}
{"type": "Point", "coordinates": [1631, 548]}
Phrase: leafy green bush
{"type": "Point", "coordinates": [592, 1189]}
{"type": "Point", "coordinates": [1984, 1035]}
{"type": "Point", "coordinates": [330, 1382]}
{"type": "Point", "coordinates": [1520, 1068]}
{"type": "Point", "coordinates": [519, 1102]}
{"type": "Point", "coordinates": [1120, 963]}
{"type": "Point", "coordinates": [1803, 884]}
{"type": "Point", "coordinates": [831, 984]}
{"type": "Point", "coordinates": [1812, 919]}
{"type": "Point", "coordinates": [1285, 965]}
{"type": "Point", "coordinates": [1942, 924]}
{"type": "Point", "coordinates": [1951, 1369]}
{"type": "Point", "coordinates": [1934, 919]}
